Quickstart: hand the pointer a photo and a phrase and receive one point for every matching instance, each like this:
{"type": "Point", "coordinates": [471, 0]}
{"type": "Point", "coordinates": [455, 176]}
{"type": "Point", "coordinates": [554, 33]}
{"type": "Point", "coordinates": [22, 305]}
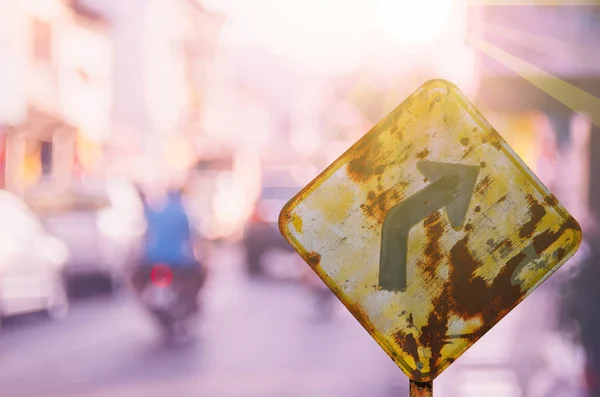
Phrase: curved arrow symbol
{"type": "Point", "coordinates": [452, 187]}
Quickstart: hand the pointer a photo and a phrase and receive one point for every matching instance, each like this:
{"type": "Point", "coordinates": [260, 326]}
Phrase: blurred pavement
{"type": "Point", "coordinates": [255, 340]}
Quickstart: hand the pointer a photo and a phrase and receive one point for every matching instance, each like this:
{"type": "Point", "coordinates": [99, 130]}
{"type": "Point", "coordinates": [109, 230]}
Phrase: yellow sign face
{"type": "Point", "coordinates": [430, 229]}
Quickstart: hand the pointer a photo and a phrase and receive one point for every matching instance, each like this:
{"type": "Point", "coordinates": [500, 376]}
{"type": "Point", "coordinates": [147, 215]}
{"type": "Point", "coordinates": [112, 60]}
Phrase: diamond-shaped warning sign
{"type": "Point", "coordinates": [430, 229]}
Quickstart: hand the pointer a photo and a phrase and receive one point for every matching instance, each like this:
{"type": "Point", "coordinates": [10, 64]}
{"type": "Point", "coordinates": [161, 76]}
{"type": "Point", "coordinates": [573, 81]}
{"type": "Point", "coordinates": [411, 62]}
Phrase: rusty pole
{"type": "Point", "coordinates": [421, 389]}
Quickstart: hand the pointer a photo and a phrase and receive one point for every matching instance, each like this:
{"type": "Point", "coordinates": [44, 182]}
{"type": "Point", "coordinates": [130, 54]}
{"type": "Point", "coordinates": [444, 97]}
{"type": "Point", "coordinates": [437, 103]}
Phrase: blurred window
{"type": "Point", "coordinates": [42, 40]}
{"type": "Point", "coordinates": [46, 158]}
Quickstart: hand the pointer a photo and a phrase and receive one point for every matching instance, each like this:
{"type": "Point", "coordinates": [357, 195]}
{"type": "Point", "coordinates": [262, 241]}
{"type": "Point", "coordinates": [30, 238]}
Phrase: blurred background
{"type": "Point", "coordinates": [241, 103]}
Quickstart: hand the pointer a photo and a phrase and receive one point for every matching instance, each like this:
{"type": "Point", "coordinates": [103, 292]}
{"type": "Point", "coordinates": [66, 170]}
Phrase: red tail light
{"type": "Point", "coordinates": [161, 275]}
{"type": "Point", "coordinates": [590, 378]}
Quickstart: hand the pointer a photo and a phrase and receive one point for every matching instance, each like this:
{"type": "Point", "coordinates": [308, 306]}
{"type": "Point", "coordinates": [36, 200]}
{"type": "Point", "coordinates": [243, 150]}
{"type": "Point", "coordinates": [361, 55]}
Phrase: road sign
{"type": "Point", "coordinates": [430, 229]}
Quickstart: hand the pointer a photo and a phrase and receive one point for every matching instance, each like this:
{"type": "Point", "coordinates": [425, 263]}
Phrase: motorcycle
{"type": "Point", "coordinates": [166, 295]}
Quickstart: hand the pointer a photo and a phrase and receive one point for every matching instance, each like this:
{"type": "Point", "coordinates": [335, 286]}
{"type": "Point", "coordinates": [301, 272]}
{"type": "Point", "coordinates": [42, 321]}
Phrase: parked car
{"type": "Point", "coordinates": [266, 249]}
{"type": "Point", "coordinates": [31, 263]}
{"type": "Point", "coordinates": [102, 229]}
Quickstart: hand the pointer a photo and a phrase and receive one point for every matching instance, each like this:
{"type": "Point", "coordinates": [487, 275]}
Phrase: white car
{"type": "Point", "coordinates": [31, 263]}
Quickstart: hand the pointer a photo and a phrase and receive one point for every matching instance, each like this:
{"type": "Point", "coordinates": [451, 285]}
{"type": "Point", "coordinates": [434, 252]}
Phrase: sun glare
{"type": "Point", "coordinates": [415, 22]}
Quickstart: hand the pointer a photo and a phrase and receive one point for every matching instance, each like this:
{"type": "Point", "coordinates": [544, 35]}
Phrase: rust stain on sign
{"type": "Point", "coordinates": [430, 229]}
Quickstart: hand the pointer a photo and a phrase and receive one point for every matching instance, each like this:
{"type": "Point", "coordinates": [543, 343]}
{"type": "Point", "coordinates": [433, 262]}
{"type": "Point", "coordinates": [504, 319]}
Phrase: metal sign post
{"type": "Point", "coordinates": [421, 389]}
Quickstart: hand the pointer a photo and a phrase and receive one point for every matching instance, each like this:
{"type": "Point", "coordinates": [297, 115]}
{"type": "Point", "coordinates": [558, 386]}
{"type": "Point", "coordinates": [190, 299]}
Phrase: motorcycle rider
{"type": "Point", "coordinates": [169, 241]}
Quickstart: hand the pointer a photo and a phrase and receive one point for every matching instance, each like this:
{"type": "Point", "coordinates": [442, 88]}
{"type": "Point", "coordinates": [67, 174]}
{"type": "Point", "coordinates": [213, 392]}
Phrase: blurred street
{"type": "Point", "coordinates": [149, 137]}
{"type": "Point", "coordinates": [255, 340]}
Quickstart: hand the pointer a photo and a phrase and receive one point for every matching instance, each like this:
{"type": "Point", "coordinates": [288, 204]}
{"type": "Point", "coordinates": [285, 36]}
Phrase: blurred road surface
{"type": "Point", "coordinates": [255, 340]}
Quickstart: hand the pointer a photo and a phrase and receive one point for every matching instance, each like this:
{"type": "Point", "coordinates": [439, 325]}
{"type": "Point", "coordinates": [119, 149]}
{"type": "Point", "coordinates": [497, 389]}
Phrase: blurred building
{"type": "Point", "coordinates": [57, 57]}
{"type": "Point", "coordinates": [86, 59]}
{"type": "Point", "coordinates": [160, 52]}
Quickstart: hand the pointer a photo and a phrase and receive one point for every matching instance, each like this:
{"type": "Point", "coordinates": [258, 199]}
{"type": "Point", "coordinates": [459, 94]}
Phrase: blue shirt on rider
{"type": "Point", "coordinates": [168, 235]}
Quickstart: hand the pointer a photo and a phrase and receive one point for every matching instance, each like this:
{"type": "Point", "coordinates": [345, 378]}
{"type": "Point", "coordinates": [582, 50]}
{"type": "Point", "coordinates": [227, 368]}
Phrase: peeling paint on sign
{"type": "Point", "coordinates": [470, 230]}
